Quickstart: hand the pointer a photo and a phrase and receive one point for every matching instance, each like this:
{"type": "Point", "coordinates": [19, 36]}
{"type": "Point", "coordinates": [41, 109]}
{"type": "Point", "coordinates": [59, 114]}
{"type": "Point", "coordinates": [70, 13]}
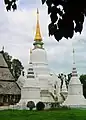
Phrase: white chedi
{"type": "Point", "coordinates": [75, 96]}
{"type": "Point", "coordinates": [39, 84]}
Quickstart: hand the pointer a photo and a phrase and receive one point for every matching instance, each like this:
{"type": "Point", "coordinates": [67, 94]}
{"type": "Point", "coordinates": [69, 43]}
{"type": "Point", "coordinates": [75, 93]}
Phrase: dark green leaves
{"type": "Point", "coordinates": [83, 81]}
{"type": "Point", "coordinates": [43, 1]}
{"type": "Point", "coordinates": [49, 2]}
{"type": "Point", "coordinates": [53, 17]}
{"type": "Point", "coordinates": [10, 5]}
{"type": "Point", "coordinates": [15, 65]}
{"type": "Point", "coordinates": [6, 1]}
{"type": "Point", "coordinates": [52, 28]}
{"type": "Point", "coordinates": [64, 17]}
{"type": "Point", "coordinates": [14, 6]}
{"type": "Point", "coordinates": [17, 68]}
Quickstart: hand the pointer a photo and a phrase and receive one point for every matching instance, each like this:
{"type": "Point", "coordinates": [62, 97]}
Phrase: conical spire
{"type": "Point", "coordinates": [38, 33]}
{"type": "Point", "coordinates": [74, 71]}
{"type": "Point", "coordinates": [75, 98]}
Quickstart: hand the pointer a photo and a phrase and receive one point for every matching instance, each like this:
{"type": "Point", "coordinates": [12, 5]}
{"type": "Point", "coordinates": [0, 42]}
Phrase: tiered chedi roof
{"type": "Point", "coordinates": [7, 81]}
{"type": "Point", "coordinates": [75, 96]}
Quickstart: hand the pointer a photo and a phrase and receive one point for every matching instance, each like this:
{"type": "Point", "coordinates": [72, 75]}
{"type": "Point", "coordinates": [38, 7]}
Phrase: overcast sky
{"type": "Point", "coordinates": [17, 31]}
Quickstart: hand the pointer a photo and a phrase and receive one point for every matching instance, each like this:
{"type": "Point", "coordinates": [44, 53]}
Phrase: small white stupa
{"type": "Point", "coordinates": [75, 96]}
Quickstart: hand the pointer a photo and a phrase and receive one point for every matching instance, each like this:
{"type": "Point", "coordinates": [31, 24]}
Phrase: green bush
{"type": "Point", "coordinates": [30, 105]}
{"type": "Point", "coordinates": [55, 105]}
{"type": "Point", "coordinates": [60, 108]}
{"type": "Point", "coordinates": [40, 106]}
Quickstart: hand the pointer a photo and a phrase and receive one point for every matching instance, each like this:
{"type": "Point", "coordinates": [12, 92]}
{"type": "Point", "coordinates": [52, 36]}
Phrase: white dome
{"type": "Point", "coordinates": [39, 56]}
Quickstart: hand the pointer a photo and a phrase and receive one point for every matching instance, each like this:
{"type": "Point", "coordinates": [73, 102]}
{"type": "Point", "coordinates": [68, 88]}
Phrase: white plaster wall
{"type": "Point", "coordinates": [39, 56]}
{"type": "Point", "coordinates": [75, 100]}
{"type": "Point", "coordinates": [74, 80]}
{"type": "Point", "coordinates": [30, 93]}
{"type": "Point", "coordinates": [41, 68]}
{"type": "Point", "coordinates": [75, 89]}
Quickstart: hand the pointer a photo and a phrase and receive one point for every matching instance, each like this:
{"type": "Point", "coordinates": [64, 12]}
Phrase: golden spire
{"type": "Point", "coordinates": [38, 34]}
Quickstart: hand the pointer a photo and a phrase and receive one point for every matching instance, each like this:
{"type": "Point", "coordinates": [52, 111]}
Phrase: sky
{"type": "Point", "coordinates": [17, 31]}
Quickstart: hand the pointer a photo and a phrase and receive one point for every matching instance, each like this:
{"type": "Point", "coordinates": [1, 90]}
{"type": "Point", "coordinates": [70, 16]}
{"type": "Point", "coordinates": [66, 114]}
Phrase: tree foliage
{"type": "Point", "coordinates": [16, 68]}
{"type": "Point", "coordinates": [14, 64]}
{"type": "Point", "coordinates": [8, 59]}
{"type": "Point", "coordinates": [69, 77]}
{"type": "Point", "coordinates": [40, 106]}
{"type": "Point", "coordinates": [67, 17]}
{"type": "Point", "coordinates": [60, 76]}
{"type": "Point", "coordinates": [83, 81]}
{"type": "Point", "coordinates": [10, 4]}
{"type": "Point", "coordinates": [63, 77]}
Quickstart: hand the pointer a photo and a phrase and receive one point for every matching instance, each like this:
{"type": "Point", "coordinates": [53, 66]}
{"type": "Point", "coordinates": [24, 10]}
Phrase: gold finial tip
{"type": "Point", "coordinates": [38, 33]}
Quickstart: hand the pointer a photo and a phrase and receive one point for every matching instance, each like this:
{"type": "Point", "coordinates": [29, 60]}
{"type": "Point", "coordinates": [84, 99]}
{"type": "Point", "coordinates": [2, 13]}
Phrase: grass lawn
{"type": "Point", "coordinates": [73, 114]}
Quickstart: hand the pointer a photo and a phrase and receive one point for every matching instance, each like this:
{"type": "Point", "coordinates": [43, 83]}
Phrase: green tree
{"type": "Point", "coordinates": [17, 67]}
{"type": "Point", "coordinates": [8, 59]}
{"type": "Point", "coordinates": [10, 4]}
{"type": "Point", "coordinates": [60, 76]}
{"type": "Point", "coordinates": [69, 77]}
{"type": "Point", "coordinates": [65, 20]}
{"type": "Point", "coordinates": [83, 81]}
{"type": "Point", "coordinates": [67, 17]}
{"type": "Point", "coordinates": [14, 65]}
